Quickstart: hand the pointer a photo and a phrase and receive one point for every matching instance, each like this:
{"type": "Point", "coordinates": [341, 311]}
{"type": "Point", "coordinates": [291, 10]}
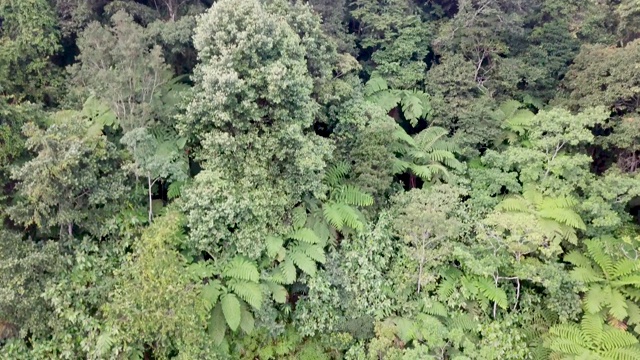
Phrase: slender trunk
{"type": "Point", "coordinates": [150, 198]}
{"type": "Point", "coordinates": [412, 181]}
{"type": "Point", "coordinates": [70, 228]}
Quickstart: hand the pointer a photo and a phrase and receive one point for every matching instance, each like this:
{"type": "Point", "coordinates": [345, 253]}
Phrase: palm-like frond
{"type": "Point", "coordinates": [242, 269]}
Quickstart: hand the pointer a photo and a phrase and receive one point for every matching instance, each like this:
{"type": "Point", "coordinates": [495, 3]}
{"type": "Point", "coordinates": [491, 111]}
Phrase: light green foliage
{"type": "Point", "coordinates": [157, 155]}
{"type": "Point", "coordinates": [321, 180]}
{"type": "Point", "coordinates": [154, 300]}
{"type": "Point", "coordinates": [29, 38]}
{"type": "Point", "coordinates": [554, 218]}
{"type": "Point", "coordinates": [121, 65]}
{"type": "Point", "coordinates": [12, 140]}
{"type": "Point", "coordinates": [612, 283]}
{"type": "Point", "coordinates": [606, 200]}
{"type": "Point", "coordinates": [516, 122]}
{"type": "Point", "coordinates": [73, 180]}
{"type": "Point", "coordinates": [301, 248]}
{"type": "Point", "coordinates": [252, 105]}
{"type": "Point", "coordinates": [593, 340]}
{"type": "Point", "coordinates": [426, 221]}
{"type": "Point", "coordinates": [546, 157]}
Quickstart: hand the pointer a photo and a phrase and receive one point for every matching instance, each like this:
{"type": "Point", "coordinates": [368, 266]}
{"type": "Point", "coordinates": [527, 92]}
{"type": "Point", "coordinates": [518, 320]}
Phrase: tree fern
{"type": "Point", "coordinates": [228, 291]}
{"type": "Point", "coordinates": [415, 104]}
{"type": "Point", "coordinates": [429, 154]}
{"type": "Point", "coordinates": [301, 248]}
{"type": "Point", "coordinates": [556, 216]}
{"type": "Point", "coordinates": [591, 339]}
{"type": "Point", "coordinates": [340, 210]}
{"type": "Point", "coordinates": [516, 122]}
{"type": "Point", "coordinates": [611, 283]}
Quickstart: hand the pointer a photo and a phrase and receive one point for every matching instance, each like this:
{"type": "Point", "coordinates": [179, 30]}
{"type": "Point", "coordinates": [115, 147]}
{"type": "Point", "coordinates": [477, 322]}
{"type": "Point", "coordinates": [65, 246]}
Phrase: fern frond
{"type": "Point", "coordinates": [596, 252]}
{"type": "Point", "coordinates": [617, 305]}
{"type": "Point", "coordinates": [298, 217]}
{"type": "Point", "coordinates": [625, 267]}
{"type": "Point", "coordinates": [435, 308]}
{"type": "Point", "coordinates": [463, 322]}
{"type": "Point", "coordinates": [567, 346]}
{"type": "Point", "coordinates": [429, 137]}
{"type": "Point", "coordinates": [634, 313]}
{"type": "Point", "coordinates": [374, 85]}
{"type": "Point", "coordinates": [532, 195]}
{"type": "Point", "coordinates": [513, 204]}
{"type": "Point", "coordinates": [629, 353]}
{"type": "Point", "coordinates": [387, 100]}
{"type": "Point", "coordinates": [446, 288]}
{"type": "Point", "coordinates": [333, 215]}
{"type": "Point", "coordinates": [509, 107]}
{"type": "Point", "coordinates": [592, 328]}
{"type": "Point", "coordinates": [439, 155]}
{"type": "Point", "coordinates": [351, 217]}
{"type": "Point", "coordinates": [175, 189]}
{"type": "Point", "coordinates": [593, 299]}
{"type": "Point", "coordinates": [563, 216]}
{"type": "Point", "coordinates": [586, 275]}
{"type": "Point", "coordinates": [303, 262]}
{"type": "Point", "coordinates": [274, 246]}
{"type": "Point", "coordinates": [305, 235]}
{"type": "Point", "coordinates": [211, 293]}
{"type": "Point", "coordinates": [351, 195]}
{"type": "Point", "coordinates": [288, 271]}
{"type": "Point", "coordinates": [616, 339]}
{"type": "Point", "coordinates": [577, 259]}
{"type": "Point", "coordinates": [412, 107]}
{"type": "Point", "coordinates": [400, 166]}
{"type": "Point", "coordinates": [278, 292]}
{"type": "Point", "coordinates": [633, 280]}
{"type": "Point", "coordinates": [242, 269]}
{"type": "Point", "coordinates": [492, 292]}
{"type": "Point", "coordinates": [335, 174]}
{"type": "Point", "coordinates": [570, 337]}
{"type": "Point", "coordinates": [315, 252]}
{"type": "Point", "coordinates": [248, 291]}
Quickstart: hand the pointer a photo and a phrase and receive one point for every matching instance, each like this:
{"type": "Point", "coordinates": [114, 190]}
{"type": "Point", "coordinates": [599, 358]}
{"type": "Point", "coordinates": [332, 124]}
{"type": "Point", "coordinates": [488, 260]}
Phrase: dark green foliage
{"type": "Point", "coordinates": [321, 180]}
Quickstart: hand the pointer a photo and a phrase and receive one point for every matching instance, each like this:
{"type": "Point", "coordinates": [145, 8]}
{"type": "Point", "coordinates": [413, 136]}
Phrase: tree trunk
{"type": "Point", "coordinates": [150, 184]}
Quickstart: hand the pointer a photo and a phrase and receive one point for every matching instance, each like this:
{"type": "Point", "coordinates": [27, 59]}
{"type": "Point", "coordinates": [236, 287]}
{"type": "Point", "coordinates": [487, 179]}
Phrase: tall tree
{"type": "Point", "coordinates": [250, 117]}
{"type": "Point", "coordinates": [29, 38]}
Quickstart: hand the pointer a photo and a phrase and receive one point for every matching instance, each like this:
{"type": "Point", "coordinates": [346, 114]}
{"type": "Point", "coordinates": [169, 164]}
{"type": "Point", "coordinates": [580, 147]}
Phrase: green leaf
{"type": "Point", "coordinates": [278, 292]}
{"type": "Point", "coordinates": [305, 235]}
{"type": "Point", "coordinates": [288, 270]}
{"type": "Point", "coordinates": [302, 261]}
{"type": "Point", "coordinates": [231, 310]}
{"type": "Point", "coordinates": [211, 292]}
{"type": "Point", "coordinates": [374, 85]}
{"type": "Point", "coordinates": [217, 326]}
{"type": "Point", "coordinates": [315, 252]}
{"type": "Point", "coordinates": [248, 291]}
{"type": "Point", "coordinates": [242, 269]}
{"type": "Point", "coordinates": [274, 246]}
{"type": "Point", "coordinates": [246, 321]}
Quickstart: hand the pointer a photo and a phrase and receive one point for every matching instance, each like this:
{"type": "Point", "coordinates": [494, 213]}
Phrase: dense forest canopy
{"type": "Point", "coordinates": [332, 179]}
